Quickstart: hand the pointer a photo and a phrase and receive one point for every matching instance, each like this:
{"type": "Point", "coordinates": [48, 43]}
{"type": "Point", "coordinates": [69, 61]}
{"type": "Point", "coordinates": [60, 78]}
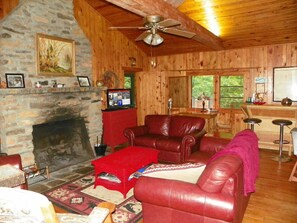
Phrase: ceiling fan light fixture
{"type": "Point", "coordinates": [153, 39]}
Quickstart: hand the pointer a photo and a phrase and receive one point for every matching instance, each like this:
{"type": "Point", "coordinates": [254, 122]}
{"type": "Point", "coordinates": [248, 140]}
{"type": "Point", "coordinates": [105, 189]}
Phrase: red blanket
{"type": "Point", "coordinates": [244, 145]}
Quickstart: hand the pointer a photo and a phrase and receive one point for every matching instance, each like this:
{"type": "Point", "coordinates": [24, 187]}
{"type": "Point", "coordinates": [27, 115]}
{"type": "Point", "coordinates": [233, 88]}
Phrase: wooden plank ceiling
{"type": "Point", "coordinates": [239, 23]}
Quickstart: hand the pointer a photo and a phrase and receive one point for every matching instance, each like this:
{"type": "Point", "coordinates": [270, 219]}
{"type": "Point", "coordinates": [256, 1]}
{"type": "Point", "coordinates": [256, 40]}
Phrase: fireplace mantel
{"type": "Point", "coordinates": [25, 91]}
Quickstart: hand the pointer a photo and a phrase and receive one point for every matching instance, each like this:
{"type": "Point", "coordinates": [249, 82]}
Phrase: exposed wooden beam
{"type": "Point", "coordinates": [160, 7]}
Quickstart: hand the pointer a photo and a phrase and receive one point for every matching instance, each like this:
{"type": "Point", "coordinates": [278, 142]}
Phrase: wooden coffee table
{"type": "Point", "coordinates": [122, 164]}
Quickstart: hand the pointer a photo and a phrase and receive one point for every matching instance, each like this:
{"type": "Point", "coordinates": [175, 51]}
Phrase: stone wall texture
{"type": "Point", "coordinates": [21, 109]}
{"type": "Point", "coordinates": [18, 39]}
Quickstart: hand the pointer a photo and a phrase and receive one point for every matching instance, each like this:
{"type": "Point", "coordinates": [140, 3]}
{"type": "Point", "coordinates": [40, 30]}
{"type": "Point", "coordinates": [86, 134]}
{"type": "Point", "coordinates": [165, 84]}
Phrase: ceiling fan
{"type": "Point", "coordinates": [155, 23]}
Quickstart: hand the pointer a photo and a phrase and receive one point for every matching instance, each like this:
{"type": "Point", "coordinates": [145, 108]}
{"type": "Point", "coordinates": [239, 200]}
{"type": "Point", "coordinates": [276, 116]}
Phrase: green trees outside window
{"type": "Point", "coordinates": [203, 84]}
{"type": "Point", "coordinates": [230, 89]}
{"type": "Point", "coordinates": [129, 83]}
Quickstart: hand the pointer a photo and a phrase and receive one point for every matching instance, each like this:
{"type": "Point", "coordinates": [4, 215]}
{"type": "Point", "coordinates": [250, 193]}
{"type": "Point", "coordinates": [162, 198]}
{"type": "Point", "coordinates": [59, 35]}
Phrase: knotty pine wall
{"type": "Point", "coordinates": [111, 49]}
{"type": "Point", "coordinates": [6, 6]}
{"type": "Point", "coordinates": [255, 61]}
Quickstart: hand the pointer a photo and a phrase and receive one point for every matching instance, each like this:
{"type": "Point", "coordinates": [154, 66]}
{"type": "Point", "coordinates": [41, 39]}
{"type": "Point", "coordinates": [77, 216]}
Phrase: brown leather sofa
{"type": "Point", "coordinates": [218, 196]}
{"type": "Point", "coordinates": [16, 161]}
{"type": "Point", "coordinates": [176, 137]}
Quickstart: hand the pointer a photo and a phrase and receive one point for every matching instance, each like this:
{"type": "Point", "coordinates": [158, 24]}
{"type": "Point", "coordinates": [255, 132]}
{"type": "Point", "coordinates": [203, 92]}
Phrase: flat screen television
{"type": "Point", "coordinates": [119, 99]}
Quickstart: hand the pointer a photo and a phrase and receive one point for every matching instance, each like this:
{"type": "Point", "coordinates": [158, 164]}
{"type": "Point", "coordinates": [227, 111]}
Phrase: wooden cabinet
{"type": "Point", "coordinates": [268, 132]}
{"type": "Point", "coordinates": [114, 124]}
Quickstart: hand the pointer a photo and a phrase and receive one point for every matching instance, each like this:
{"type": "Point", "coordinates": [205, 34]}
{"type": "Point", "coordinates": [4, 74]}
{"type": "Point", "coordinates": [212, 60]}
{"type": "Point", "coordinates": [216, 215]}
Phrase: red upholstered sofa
{"type": "Point", "coordinates": [208, 147]}
{"type": "Point", "coordinates": [218, 196]}
{"type": "Point", "coordinates": [176, 137]}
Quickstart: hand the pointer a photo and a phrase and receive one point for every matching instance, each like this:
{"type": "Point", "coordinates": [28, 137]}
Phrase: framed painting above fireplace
{"type": "Point", "coordinates": [15, 80]}
{"type": "Point", "coordinates": [55, 55]}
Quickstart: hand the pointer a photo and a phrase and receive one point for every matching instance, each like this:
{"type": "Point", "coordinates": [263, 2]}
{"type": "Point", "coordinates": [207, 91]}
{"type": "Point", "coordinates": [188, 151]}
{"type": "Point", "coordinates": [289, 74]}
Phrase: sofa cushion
{"type": "Point", "coordinates": [183, 125]}
{"type": "Point", "coordinates": [200, 157]}
{"type": "Point", "coordinates": [169, 144]}
{"type": "Point", "coordinates": [158, 124]}
{"type": "Point", "coordinates": [146, 140]}
{"type": "Point", "coordinates": [213, 144]}
{"type": "Point", "coordinates": [187, 172]}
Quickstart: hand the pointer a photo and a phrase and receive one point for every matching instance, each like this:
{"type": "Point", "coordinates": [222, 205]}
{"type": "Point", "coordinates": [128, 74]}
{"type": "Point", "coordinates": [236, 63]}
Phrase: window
{"type": "Point", "coordinates": [227, 90]}
{"type": "Point", "coordinates": [203, 84]}
{"type": "Point", "coordinates": [129, 83]}
{"type": "Point", "coordinates": [231, 91]}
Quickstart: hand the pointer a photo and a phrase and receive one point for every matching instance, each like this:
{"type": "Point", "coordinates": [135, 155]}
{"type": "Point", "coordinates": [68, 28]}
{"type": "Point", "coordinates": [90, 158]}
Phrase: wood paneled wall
{"type": "Point", "coordinates": [111, 52]}
{"type": "Point", "coordinates": [151, 88]}
{"type": "Point", "coordinates": [6, 6]}
{"type": "Point", "coordinates": [256, 61]}
{"type": "Point", "coordinates": [111, 49]}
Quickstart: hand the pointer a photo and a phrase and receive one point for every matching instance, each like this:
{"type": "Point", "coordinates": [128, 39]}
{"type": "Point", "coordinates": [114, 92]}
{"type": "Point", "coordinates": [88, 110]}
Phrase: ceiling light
{"type": "Point", "coordinates": [153, 39]}
{"type": "Point", "coordinates": [213, 25]}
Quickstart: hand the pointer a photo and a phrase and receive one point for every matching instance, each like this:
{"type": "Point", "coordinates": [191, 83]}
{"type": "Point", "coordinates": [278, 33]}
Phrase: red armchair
{"type": "Point", "coordinates": [16, 161]}
{"type": "Point", "coordinates": [218, 196]}
{"type": "Point", "coordinates": [208, 147]}
{"type": "Point", "coordinates": [176, 137]}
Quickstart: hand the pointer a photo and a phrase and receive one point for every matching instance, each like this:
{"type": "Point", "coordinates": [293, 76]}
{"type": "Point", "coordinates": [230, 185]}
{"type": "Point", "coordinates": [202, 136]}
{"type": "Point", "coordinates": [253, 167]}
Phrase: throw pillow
{"type": "Point", "coordinates": [187, 172]}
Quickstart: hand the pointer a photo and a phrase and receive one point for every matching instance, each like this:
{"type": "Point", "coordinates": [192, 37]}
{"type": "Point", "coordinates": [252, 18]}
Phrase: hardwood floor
{"type": "Point", "coordinates": [275, 199]}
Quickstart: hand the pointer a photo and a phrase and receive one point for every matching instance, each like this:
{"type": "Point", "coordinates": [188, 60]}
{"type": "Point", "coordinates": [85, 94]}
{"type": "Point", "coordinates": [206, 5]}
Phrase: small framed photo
{"type": "Point", "coordinates": [83, 81]}
{"type": "Point", "coordinates": [15, 80]}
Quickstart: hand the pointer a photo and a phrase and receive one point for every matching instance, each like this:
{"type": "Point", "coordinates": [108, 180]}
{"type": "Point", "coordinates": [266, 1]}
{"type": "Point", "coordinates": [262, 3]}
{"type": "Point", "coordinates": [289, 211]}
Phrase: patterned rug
{"type": "Point", "coordinates": [80, 197]}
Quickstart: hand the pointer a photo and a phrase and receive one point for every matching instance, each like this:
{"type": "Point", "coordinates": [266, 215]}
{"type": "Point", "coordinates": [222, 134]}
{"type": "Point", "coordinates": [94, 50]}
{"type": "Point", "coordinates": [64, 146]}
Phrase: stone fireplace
{"type": "Point", "coordinates": [59, 144]}
{"type": "Point", "coordinates": [22, 111]}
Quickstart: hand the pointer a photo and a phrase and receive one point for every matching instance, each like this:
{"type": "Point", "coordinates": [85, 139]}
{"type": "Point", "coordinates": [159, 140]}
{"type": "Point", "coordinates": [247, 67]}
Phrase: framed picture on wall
{"type": "Point", "coordinates": [15, 80]}
{"type": "Point", "coordinates": [284, 83]}
{"type": "Point", "coordinates": [83, 81]}
{"type": "Point", "coordinates": [55, 55]}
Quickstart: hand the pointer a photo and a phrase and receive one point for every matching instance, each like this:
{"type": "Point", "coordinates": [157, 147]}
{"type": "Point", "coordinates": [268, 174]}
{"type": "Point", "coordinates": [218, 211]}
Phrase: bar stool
{"type": "Point", "coordinates": [281, 141]}
{"type": "Point", "coordinates": [252, 122]}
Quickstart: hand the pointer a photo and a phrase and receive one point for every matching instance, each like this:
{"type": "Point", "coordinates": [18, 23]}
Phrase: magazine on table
{"type": "Point", "coordinates": [115, 179]}
{"type": "Point", "coordinates": [139, 172]}
{"type": "Point", "coordinates": [109, 177]}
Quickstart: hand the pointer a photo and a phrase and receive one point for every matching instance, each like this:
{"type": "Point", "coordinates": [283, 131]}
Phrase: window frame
{"type": "Point", "coordinates": [220, 86]}
{"type": "Point", "coordinates": [131, 75]}
{"type": "Point", "coordinates": [217, 90]}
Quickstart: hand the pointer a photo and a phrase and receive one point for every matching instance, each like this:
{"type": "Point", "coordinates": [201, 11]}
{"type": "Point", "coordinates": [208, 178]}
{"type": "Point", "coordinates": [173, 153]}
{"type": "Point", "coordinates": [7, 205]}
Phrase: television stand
{"type": "Point", "coordinates": [115, 109]}
{"type": "Point", "coordinates": [114, 124]}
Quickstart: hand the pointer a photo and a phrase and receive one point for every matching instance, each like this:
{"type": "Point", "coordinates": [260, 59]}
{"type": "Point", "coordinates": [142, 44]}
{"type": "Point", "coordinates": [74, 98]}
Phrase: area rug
{"type": "Point", "coordinates": [80, 197]}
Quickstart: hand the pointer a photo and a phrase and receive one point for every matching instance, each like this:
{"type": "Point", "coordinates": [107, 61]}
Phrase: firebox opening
{"type": "Point", "coordinates": [61, 143]}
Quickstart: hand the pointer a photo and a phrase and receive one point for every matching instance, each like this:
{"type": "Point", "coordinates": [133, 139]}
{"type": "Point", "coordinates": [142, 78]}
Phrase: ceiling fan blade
{"type": "Point", "coordinates": [179, 32]}
{"type": "Point", "coordinates": [143, 35]}
{"type": "Point", "coordinates": [127, 27]}
{"type": "Point", "coordinates": [168, 23]}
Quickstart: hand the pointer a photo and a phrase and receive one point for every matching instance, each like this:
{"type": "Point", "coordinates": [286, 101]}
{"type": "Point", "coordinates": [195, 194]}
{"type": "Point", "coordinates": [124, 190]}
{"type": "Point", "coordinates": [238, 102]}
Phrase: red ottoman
{"type": "Point", "coordinates": [122, 164]}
